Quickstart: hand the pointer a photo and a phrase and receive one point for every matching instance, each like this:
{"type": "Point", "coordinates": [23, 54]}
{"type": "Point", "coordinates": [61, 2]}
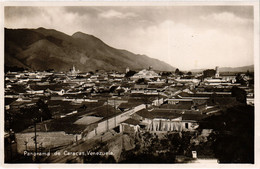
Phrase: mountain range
{"type": "Point", "coordinates": [249, 68]}
{"type": "Point", "coordinates": [42, 49]}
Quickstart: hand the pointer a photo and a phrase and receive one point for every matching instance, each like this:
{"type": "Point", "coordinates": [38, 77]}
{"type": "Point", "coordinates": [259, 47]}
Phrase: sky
{"type": "Point", "coordinates": [186, 37]}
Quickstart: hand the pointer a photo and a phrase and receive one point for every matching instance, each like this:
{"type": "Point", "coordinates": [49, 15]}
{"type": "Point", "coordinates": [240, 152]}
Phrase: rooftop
{"type": "Point", "coordinates": [131, 121]}
{"type": "Point", "coordinates": [171, 114]}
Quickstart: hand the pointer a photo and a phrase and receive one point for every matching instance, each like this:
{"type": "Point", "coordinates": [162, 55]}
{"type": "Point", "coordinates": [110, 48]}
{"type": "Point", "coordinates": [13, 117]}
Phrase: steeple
{"type": "Point", "coordinates": [73, 69]}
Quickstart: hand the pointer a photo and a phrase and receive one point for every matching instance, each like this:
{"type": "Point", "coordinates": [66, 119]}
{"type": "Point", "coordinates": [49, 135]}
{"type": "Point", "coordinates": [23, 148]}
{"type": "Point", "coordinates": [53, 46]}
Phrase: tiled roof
{"type": "Point", "coordinates": [171, 114]}
{"type": "Point", "coordinates": [131, 121]}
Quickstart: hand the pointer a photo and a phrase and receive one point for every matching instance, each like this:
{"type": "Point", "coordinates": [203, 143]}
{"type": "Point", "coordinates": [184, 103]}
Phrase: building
{"type": "Point", "coordinates": [145, 74]}
{"type": "Point", "coordinates": [165, 120]}
{"type": "Point", "coordinates": [217, 72]}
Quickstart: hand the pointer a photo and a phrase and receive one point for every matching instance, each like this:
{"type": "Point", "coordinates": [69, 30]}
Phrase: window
{"type": "Point", "coordinates": [186, 125]}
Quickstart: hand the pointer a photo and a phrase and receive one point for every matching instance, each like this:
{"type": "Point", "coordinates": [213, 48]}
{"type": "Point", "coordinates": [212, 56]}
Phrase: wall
{"type": "Point", "coordinates": [157, 102]}
{"type": "Point", "coordinates": [167, 125]}
{"type": "Point", "coordinates": [128, 128]}
{"type": "Point", "coordinates": [113, 122]}
{"type": "Point", "coordinates": [102, 127]}
{"type": "Point", "coordinates": [48, 140]}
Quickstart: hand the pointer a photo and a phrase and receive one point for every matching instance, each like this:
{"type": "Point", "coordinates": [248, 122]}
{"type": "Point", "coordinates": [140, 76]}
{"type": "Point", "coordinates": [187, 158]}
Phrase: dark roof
{"type": "Point", "coordinates": [184, 94]}
{"type": "Point", "coordinates": [58, 125]}
{"type": "Point", "coordinates": [195, 117]}
{"type": "Point", "coordinates": [131, 121]}
{"type": "Point", "coordinates": [127, 85]}
{"type": "Point", "coordinates": [156, 85]}
{"type": "Point", "coordinates": [140, 95]}
{"type": "Point", "coordinates": [9, 100]}
{"type": "Point", "coordinates": [10, 93]}
{"type": "Point", "coordinates": [39, 87]}
{"type": "Point", "coordinates": [67, 125]}
{"type": "Point", "coordinates": [224, 100]}
{"type": "Point", "coordinates": [18, 88]}
{"type": "Point", "coordinates": [169, 114]}
{"type": "Point", "coordinates": [181, 105]}
{"type": "Point", "coordinates": [130, 104]}
{"type": "Point", "coordinates": [105, 111]}
{"type": "Point", "coordinates": [228, 73]}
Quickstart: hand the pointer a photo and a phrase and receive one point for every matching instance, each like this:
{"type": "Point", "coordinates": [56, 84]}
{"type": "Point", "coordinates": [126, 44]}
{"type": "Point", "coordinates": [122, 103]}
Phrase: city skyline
{"type": "Point", "coordinates": [186, 37]}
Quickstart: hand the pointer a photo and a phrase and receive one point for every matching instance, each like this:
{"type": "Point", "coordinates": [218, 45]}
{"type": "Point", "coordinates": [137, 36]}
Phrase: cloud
{"type": "Point", "coordinates": [116, 14]}
{"type": "Point", "coordinates": [47, 17]}
{"type": "Point", "coordinates": [199, 39]}
{"type": "Point", "coordinates": [226, 18]}
{"type": "Point", "coordinates": [189, 47]}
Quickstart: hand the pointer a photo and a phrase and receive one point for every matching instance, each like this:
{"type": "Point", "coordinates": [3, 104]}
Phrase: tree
{"type": "Point", "coordinates": [177, 71]}
{"type": "Point", "coordinates": [130, 73]}
{"type": "Point", "coordinates": [233, 139]}
{"type": "Point", "coordinates": [166, 74]}
{"type": "Point", "coordinates": [247, 73]}
{"type": "Point", "coordinates": [50, 70]}
{"type": "Point", "coordinates": [39, 112]}
{"type": "Point", "coordinates": [84, 107]}
{"type": "Point", "coordinates": [119, 91]}
{"type": "Point", "coordinates": [240, 79]}
{"type": "Point", "coordinates": [209, 73]}
{"type": "Point", "coordinates": [239, 93]}
{"type": "Point", "coordinates": [141, 81]}
{"type": "Point", "coordinates": [189, 73]}
{"type": "Point", "coordinates": [181, 73]}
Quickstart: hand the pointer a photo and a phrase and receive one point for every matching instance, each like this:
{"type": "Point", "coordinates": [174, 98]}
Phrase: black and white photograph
{"type": "Point", "coordinates": [130, 83]}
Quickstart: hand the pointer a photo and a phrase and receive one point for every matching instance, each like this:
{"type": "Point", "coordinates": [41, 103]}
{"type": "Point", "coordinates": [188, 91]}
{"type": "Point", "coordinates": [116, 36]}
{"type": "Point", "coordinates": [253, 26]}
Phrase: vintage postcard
{"type": "Point", "coordinates": [150, 84]}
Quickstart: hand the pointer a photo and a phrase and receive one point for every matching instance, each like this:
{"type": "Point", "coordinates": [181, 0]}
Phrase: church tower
{"type": "Point", "coordinates": [127, 70]}
{"type": "Point", "coordinates": [217, 72]}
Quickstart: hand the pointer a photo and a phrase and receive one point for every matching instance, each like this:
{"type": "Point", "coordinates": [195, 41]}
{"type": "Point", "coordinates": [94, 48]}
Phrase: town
{"type": "Point", "coordinates": [136, 116]}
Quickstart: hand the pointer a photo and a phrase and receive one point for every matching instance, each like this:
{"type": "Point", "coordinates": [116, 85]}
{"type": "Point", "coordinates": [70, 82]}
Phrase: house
{"type": "Point", "coordinates": [145, 74]}
{"type": "Point", "coordinates": [130, 126]}
{"type": "Point", "coordinates": [164, 120]}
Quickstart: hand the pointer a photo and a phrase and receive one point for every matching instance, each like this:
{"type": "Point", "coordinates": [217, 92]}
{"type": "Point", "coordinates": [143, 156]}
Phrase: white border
{"type": "Point", "coordinates": [134, 3]}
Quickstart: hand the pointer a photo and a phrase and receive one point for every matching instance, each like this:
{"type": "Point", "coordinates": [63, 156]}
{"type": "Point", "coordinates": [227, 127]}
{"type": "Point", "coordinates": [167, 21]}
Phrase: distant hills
{"type": "Point", "coordinates": [231, 69]}
{"type": "Point", "coordinates": [42, 49]}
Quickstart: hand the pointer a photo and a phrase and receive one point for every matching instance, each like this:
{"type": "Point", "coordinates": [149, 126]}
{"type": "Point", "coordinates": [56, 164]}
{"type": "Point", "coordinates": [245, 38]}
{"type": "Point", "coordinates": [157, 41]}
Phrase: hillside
{"type": "Point", "coordinates": [41, 49]}
{"type": "Point", "coordinates": [231, 69]}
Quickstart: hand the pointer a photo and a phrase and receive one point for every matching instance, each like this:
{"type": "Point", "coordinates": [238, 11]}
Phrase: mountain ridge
{"type": "Point", "coordinates": [41, 49]}
{"type": "Point", "coordinates": [230, 69]}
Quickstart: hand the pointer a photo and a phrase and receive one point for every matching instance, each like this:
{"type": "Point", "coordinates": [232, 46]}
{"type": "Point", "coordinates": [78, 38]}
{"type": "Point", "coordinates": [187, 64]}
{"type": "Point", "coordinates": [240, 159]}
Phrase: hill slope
{"type": "Point", "coordinates": [231, 69]}
{"type": "Point", "coordinates": [41, 49]}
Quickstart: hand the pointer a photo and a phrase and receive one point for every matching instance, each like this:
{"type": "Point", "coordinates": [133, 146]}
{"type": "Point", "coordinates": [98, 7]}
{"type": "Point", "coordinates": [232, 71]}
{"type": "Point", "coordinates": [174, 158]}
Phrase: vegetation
{"type": "Point", "coordinates": [49, 49]}
{"type": "Point", "coordinates": [14, 69]}
{"type": "Point", "coordinates": [165, 74]}
{"type": "Point", "coordinates": [240, 79]}
{"type": "Point", "coordinates": [233, 139]}
{"type": "Point", "coordinates": [39, 112]}
{"type": "Point", "coordinates": [239, 93]}
{"type": "Point", "coordinates": [189, 73]}
{"type": "Point", "coordinates": [141, 81]}
{"type": "Point", "coordinates": [130, 73]}
{"type": "Point", "coordinates": [209, 73]}
{"type": "Point", "coordinates": [152, 149]}
{"type": "Point", "coordinates": [178, 72]}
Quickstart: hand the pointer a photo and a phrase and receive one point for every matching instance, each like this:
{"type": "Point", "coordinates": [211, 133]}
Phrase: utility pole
{"type": "Point", "coordinates": [115, 110]}
{"type": "Point", "coordinates": [107, 114]}
{"type": "Point", "coordinates": [158, 97]}
{"type": "Point", "coordinates": [9, 141]}
{"type": "Point", "coordinates": [35, 138]}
